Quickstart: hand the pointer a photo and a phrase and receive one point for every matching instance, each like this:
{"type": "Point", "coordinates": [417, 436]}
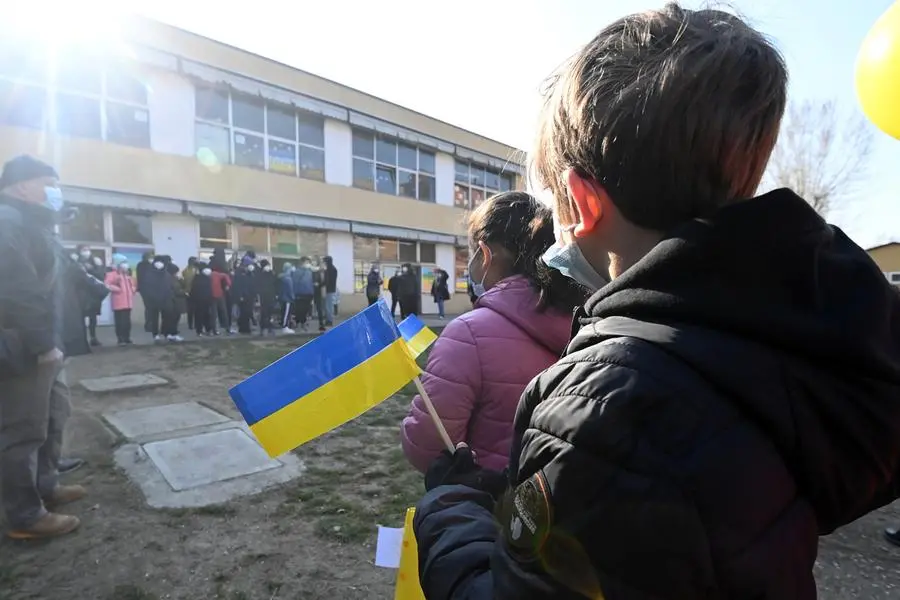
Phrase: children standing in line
{"type": "Point", "coordinates": [203, 302]}
{"type": "Point", "coordinates": [266, 286]}
{"type": "Point", "coordinates": [121, 287]}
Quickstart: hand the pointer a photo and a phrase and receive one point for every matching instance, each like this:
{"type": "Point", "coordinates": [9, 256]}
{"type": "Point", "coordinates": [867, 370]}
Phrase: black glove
{"type": "Point", "coordinates": [460, 468]}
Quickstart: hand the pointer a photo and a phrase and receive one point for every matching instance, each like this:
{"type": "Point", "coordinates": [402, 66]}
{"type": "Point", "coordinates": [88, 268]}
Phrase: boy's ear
{"type": "Point", "coordinates": [588, 197]}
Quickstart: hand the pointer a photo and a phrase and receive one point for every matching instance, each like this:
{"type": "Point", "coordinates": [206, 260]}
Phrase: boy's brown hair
{"type": "Point", "coordinates": [674, 112]}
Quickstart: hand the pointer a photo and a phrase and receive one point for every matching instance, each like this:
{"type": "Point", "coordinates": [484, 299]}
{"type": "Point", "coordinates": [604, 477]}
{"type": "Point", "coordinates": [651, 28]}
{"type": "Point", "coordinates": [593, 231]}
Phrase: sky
{"type": "Point", "coordinates": [479, 63]}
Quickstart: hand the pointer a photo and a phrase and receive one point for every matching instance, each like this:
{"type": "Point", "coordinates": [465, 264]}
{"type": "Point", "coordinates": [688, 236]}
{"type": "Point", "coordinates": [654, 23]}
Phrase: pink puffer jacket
{"type": "Point", "coordinates": [477, 371]}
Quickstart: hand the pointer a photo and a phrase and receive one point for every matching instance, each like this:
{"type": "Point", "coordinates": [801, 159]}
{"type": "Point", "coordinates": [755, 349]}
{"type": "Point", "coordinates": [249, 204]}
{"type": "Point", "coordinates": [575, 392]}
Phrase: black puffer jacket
{"type": "Point", "coordinates": [727, 400]}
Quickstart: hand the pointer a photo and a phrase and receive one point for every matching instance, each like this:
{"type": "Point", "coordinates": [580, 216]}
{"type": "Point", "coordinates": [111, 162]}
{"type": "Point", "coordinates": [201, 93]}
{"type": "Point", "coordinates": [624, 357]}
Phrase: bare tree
{"type": "Point", "coordinates": [821, 154]}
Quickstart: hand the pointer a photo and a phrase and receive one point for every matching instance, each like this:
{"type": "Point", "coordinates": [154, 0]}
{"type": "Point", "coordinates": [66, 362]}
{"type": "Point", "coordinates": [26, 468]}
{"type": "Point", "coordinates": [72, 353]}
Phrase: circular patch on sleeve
{"type": "Point", "coordinates": [527, 515]}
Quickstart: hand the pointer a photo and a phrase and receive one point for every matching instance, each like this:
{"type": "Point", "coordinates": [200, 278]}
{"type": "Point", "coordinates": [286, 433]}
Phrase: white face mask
{"type": "Point", "coordinates": [250, 268]}
{"type": "Point", "coordinates": [123, 266]}
{"type": "Point", "coordinates": [305, 265]}
{"type": "Point", "coordinates": [85, 253]}
{"type": "Point", "coordinates": [207, 272]}
{"type": "Point", "coordinates": [568, 259]}
{"type": "Point", "coordinates": [158, 265]}
{"type": "Point", "coordinates": [97, 261]}
{"type": "Point", "coordinates": [478, 287]}
{"type": "Point", "coordinates": [267, 268]}
{"type": "Point", "coordinates": [403, 270]}
{"type": "Point", "coordinates": [73, 256]}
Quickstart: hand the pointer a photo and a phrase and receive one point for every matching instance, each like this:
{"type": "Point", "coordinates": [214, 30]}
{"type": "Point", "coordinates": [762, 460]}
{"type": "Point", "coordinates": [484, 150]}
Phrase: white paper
{"type": "Point", "coordinates": [388, 547]}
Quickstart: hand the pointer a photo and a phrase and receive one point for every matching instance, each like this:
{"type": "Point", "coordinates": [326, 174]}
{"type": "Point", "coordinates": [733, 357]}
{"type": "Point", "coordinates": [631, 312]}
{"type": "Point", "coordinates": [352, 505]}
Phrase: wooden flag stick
{"type": "Point", "coordinates": [434, 415]}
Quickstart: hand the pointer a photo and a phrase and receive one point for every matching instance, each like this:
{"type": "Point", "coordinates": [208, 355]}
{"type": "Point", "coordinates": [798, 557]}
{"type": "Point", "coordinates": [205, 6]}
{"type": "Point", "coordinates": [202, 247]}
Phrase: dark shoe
{"type": "Point", "coordinates": [95, 342]}
{"type": "Point", "coordinates": [892, 535]}
{"type": "Point", "coordinates": [67, 465]}
{"type": "Point", "coordinates": [48, 526]}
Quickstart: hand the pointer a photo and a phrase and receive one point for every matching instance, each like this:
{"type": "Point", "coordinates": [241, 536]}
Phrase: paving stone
{"type": "Point", "coordinates": [197, 460]}
{"type": "Point", "coordinates": [123, 383]}
{"type": "Point", "coordinates": [143, 422]}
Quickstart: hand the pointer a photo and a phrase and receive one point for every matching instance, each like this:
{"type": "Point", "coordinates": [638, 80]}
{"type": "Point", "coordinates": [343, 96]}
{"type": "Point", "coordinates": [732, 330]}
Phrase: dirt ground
{"type": "Point", "coordinates": [310, 539]}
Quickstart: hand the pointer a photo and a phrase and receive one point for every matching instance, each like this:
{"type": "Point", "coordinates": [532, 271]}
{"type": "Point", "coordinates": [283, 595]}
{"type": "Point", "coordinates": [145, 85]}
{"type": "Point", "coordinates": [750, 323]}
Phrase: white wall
{"type": "Point", "coordinates": [176, 235]}
{"type": "Point", "coordinates": [445, 255]}
{"type": "Point", "coordinates": [444, 174]}
{"type": "Point", "coordinates": [340, 249]}
{"type": "Point", "coordinates": [338, 153]}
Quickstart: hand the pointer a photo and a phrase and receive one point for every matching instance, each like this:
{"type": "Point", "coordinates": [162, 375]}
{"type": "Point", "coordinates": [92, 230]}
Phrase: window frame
{"type": "Point", "coordinates": [52, 90]}
{"type": "Point", "coordinates": [485, 190]}
{"type": "Point", "coordinates": [374, 164]}
{"type": "Point", "coordinates": [233, 130]}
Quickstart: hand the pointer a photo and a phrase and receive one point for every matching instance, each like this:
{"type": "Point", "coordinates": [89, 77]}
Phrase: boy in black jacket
{"type": "Point", "coordinates": [202, 301]}
{"type": "Point", "coordinates": [266, 286]}
{"type": "Point", "coordinates": [730, 395]}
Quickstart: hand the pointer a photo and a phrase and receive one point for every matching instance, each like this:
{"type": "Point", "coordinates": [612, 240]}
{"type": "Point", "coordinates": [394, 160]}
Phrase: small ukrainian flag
{"type": "Point", "coordinates": [417, 336]}
{"type": "Point", "coordinates": [327, 382]}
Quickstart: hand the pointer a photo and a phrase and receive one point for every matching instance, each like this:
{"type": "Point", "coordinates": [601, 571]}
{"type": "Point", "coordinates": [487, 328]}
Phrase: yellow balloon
{"type": "Point", "coordinates": [878, 73]}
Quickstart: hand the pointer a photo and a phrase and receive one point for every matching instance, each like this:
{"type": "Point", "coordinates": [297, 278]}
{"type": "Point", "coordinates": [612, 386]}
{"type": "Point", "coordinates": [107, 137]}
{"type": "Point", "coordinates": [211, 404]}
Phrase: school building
{"type": "Point", "coordinates": [174, 142]}
{"type": "Point", "coordinates": [887, 257]}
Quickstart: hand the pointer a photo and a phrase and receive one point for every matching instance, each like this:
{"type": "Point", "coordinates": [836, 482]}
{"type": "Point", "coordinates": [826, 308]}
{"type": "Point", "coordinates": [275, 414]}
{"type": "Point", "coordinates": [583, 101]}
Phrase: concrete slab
{"type": "Point", "coordinates": [144, 422]}
{"type": "Point", "coordinates": [142, 469]}
{"type": "Point", "coordinates": [196, 460]}
{"type": "Point", "coordinates": [123, 383]}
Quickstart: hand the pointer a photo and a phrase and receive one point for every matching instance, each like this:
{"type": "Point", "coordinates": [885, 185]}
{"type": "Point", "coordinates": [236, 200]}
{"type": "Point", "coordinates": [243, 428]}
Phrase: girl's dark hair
{"type": "Point", "coordinates": [523, 226]}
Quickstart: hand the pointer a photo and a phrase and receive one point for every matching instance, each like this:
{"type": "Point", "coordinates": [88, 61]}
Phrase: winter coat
{"type": "Point", "coordinates": [303, 281]}
{"type": "Point", "coordinates": [90, 305]}
{"type": "Point", "coordinates": [221, 283]}
{"type": "Point", "coordinates": [121, 288]}
{"type": "Point", "coordinates": [265, 286]}
{"type": "Point", "coordinates": [286, 287]}
{"type": "Point", "coordinates": [242, 286]}
{"type": "Point", "coordinates": [439, 289]}
{"type": "Point", "coordinates": [406, 284]}
{"type": "Point", "coordinates": [471, 380]}
{"type": "Point", "coordinates": [158, 289]}
{"type": "Point", "coordinates": [330, 278]}
{"type": "Point", "coordinates": [373, 284]}
{"type": "Point", "coordinates": [728, 399]}
{"type": "Point", "coordinates": [202, 290]}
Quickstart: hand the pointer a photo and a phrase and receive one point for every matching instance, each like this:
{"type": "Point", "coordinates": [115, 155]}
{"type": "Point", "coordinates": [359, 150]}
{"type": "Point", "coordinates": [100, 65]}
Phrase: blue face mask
{"type": "Point", "coordinates": [53, 198]}
{"type": "Point", "coordinates": [477, 287]}
{"type": "Point", "coordinates": [569, 261]}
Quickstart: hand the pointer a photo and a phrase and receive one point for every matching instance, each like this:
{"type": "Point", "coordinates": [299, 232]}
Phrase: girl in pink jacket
{"type": "Point", "coordinates": [121, 296]}
{"type": "Point", "coordinates": [520, 325]}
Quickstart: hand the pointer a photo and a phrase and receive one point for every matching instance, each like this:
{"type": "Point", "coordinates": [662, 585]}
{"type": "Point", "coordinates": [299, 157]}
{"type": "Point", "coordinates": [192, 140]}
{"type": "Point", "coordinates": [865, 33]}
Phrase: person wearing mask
{"type": "Point", "coordinates": [729, 396]}
{"type": "Point", "coordinates": [35, 404]}
{"type": "Point", "coordinates": [408, 292]}
{"type": "Point", "coordinates": [221, 284]}
{"type": "Point", "coordinates": [304, 290]}
{"type": "Point", "coordinates": [142, 268]}
{"type": "Point", "coordinates": [172, 315]}
{"type": "Point", "coordinates": [374, 282]}
{"type": "Point", "coordinates": [440, 290]}
{"type": "Point", "coordinates": [331, 292]}
{"type": "Point", "coordinates": [244, 293]}
{"type": "Point", "coordinates": [188, 273]}
{"type": "Point", "coordinates": [286, 296]}
{"type": "Point", "coordinates": [158, 292]}
{"type": "Point", "coordinates": [266, 287]}
{"type": "Point", "coordinates": [203, 301]}
{"type": "Point", "coordinates": [91, 307]}
{"type": "Point", "coordinates": [393, 287]}
{"type": "Point", "coordinates": [523, 308]}
{"type": "Point", "coordinates": [122, 289]}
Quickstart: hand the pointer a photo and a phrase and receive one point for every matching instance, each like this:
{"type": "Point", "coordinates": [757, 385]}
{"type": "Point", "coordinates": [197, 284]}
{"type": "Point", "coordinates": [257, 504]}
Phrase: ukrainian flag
{"type": "Point", "coordinates": [417, 336]}
{"type": "Point", "coordinates": [327, 382]}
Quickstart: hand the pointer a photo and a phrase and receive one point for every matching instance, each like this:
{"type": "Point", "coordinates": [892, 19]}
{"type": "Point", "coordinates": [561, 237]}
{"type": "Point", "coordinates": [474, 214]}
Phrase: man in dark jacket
{"type": "Point", "coordinates": [266, 287]}
{"type": "Point", "coordinates": [140, 271]}
{"type": "Point", "coordinates": [35, 404]}
{"type": "Point", "coordinates": [408, 291]}
{"type": "Point", "coordinates": [731, 395]}
{"type": "Point", "coordinates": [158, 293]}
{"type": "Point", "coordinates": [331, 275]}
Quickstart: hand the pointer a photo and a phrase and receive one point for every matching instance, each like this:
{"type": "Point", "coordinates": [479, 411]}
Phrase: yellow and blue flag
{"type": "Point", "coordinates": [327, 382]}
{"type": "Point", "coordinates": [417, 336]}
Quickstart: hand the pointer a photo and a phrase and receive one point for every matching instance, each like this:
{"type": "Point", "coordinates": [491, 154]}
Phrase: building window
{"type": "Point", "coordinates": [474, 183]}
{"type": "Point", "coordinates": [408, 252]}
{"type": "Point", "coordinates": [90, 99]}
{"type": "Point", "coordinates": [462, 269]}
{"type": "Point", "coordinates": [131, 228]}
{"type": "Point", "coordinates": [427, 253]}
{"type": "Point", "coordinates": [253, 237]}
{"type": "Point", "coordinates": [388, 166]}
{"type": "Point", "coordinates": [259, 134]}
{"type": "Point", "coordinates": [87, 226]}
{"type": "Point", "coordinates": [285, 242]}
{"type": "Point", "coordinates": [215, 234]}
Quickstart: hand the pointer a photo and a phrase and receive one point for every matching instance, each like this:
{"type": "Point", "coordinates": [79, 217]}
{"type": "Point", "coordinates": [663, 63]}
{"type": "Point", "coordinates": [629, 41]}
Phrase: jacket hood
{"type": "Point", "coordinates": [517, 301]}
{"type": "Point", "coordinates": [793, 321]}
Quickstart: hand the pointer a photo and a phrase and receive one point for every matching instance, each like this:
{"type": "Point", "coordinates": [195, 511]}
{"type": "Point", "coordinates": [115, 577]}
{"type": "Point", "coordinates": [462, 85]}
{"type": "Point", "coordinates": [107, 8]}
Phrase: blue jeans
{"type": "Point", "coordinates": [440, 303]}
{"type": "Point", "coordinates": [329, 308]}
